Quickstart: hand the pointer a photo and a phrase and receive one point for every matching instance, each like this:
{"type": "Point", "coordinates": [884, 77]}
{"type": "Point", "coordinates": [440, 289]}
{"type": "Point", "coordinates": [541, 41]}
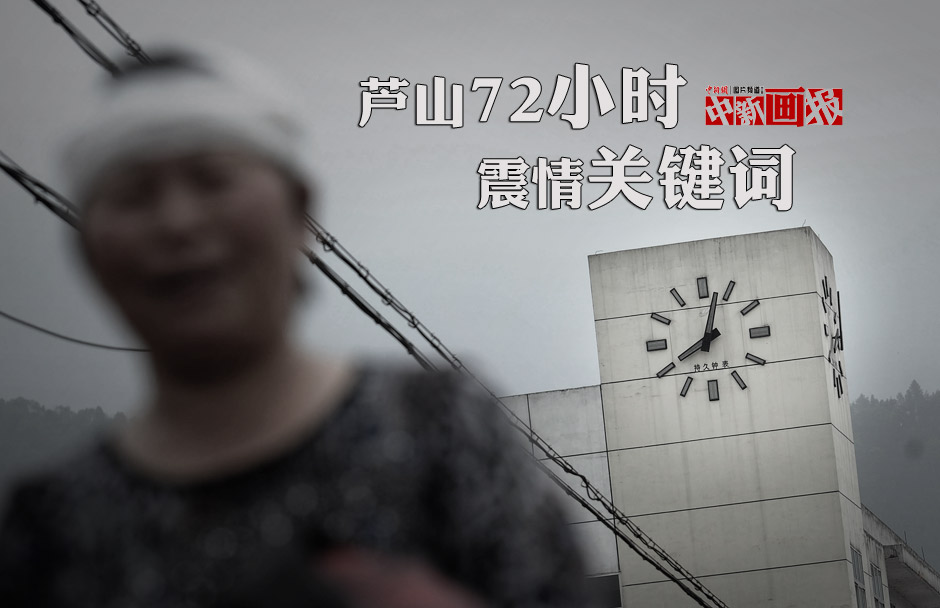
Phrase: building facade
{"type": "Point", "coordinates": [722, 428]}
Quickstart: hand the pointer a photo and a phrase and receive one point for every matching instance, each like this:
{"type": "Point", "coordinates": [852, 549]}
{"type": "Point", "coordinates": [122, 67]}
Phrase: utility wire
{"type": "Point", "coordinates": [84, 43]}
{"type": "Point", "coordinates": [42, 194]}
{"type": "Point", "coordinates": [367, 308]}
{"type": "Point", "coordinates": [133, 49]}
{"type": "Point", "coordinates": [330, 243]}
{"type": "Point", "coordinates": [617, 516]}
{"type": "Point", "coordinates": [69, 338]}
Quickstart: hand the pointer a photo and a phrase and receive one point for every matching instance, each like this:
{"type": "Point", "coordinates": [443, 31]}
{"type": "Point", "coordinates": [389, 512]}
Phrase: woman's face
{"type": "Point", "coordinates": [198, 251]}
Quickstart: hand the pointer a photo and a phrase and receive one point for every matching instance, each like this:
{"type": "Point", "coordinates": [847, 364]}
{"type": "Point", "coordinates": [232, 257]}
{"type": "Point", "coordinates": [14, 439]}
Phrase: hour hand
{"type": "Point", "coordinates": [698, 345]}
{"type": "Point", "coordinates": [710, 325]}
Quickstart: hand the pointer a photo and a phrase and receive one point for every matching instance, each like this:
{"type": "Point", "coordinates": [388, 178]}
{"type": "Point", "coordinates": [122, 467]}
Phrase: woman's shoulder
{"type": "Point", "coordinates": [447, 399]}
{"type": "Point", "coordinates": [86, 474]}
{"type": "Point", "coordinates": [47, 511]}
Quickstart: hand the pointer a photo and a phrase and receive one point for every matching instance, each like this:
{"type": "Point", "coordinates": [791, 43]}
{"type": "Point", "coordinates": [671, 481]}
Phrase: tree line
{"type": "Point", "coordinates": [897, 450]}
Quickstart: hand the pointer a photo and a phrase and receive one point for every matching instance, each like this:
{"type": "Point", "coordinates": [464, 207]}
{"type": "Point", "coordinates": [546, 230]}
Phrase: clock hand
{"type": "Point", "coordinates": [692, 349]}
{"type": "Point", "coordinates": [710, 325]}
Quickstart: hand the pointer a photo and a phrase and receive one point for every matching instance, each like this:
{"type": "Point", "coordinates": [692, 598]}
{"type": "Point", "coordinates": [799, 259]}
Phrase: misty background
{"type": "Point", "coordinates": [508, 289]}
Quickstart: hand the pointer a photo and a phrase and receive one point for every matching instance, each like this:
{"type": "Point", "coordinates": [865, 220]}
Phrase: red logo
{"type": "Point", "coordinates": [756, 106]}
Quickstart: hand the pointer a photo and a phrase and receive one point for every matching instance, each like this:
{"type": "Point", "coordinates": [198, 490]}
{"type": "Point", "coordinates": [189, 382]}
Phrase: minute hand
{"type": "Point", "coordinates": [706, 339]}
{"type": "Point", "coordinates": [698, 345]}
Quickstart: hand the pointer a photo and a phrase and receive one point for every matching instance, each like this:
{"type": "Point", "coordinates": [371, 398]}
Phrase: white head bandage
{"type": "Point", "coordinates": [187, 100]}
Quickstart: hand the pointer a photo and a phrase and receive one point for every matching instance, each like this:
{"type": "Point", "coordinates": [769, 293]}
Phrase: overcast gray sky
{"type": "Point", "coordinates": [508, 289]}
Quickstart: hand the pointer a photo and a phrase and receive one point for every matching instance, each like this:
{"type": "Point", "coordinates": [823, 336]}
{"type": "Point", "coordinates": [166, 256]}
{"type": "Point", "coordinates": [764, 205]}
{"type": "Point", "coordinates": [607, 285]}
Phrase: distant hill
{"type": "Point", "coordinates": [897, 449]}
{"type": "Point", "coordinates": [33, 436]}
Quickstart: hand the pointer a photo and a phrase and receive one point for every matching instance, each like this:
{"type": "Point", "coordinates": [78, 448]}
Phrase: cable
{"type": "Point", "coordinates": [69, 338]}
{"type": "Point", "coordinates": [83, 43]}
{"type": "Point", "coordinates": [133, 49]}
{"type": "Point", "coordinates": [367, 308]}
{"type": "Point", "coordinates": [42, 194]}
{"type": "Point", "coordinates": [331, 244]}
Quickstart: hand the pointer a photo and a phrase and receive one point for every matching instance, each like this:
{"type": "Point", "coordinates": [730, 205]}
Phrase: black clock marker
{"type": "Point", "coordinates": [702, 283]}
{"type": "Point", "coordinates": [759, 332]}
{"type": "Point", "coordinates": [713, 390]}
{"type": "Point", "coordinates": [728, 289]}
{"type": "Point", "coordinates": [750, 307]}
{"type": "Point", "coordinates": [738, 379]}
{"type": "Point", "coordinates": [676, 295]}
{"type": "Point", "coordinates": [665, 370]}
{"type": "Point", "coordinates": [755, 359]}
{"type": "Point", "coordinates": [658, 317]}
{"type": "Point", "coordinates": [839, 312]}
{"type": "Point", "coordinates": [653, 345]}
{"type": "Point", "coordinates": [685, 387]}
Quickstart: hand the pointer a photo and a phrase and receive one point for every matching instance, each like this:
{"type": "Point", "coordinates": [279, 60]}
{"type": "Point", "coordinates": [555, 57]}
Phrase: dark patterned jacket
{"type": "Point", "coordinates": [411, 464]}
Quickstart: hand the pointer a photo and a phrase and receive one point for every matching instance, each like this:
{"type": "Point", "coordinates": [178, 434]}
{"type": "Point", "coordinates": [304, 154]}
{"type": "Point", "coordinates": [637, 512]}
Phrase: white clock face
{"type": "Point", "coordinates": [697, 335]}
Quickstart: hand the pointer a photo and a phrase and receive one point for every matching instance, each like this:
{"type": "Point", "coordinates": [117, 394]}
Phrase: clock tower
{"type": "Point", "coordinates": [728, 433]}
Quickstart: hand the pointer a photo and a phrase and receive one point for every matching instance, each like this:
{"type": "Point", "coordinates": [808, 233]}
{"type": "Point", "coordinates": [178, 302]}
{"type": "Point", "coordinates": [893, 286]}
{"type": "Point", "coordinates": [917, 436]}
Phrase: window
{"type": "Point", "coordinates": [859, 575]}
{"type": "Point", "coordinates": [605, 590]}
{"type": "Point", "coordinates": [860, 596]}
{"type": "Point", "coordinates": [877, 587]}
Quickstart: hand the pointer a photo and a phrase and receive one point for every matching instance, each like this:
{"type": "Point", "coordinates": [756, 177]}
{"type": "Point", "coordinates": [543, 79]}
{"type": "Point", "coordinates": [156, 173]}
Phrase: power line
{"type": "Point", "coordinates": [133, 49]}
{"type": "Point", "coordinates": [69, 338]}
{"type": "Point", "coordinates": [83, 43]}
{"type": "Point", "coordinates": [367, 308]}
{"type": "Point", "coordinates": [42, 194]}
{"type": "Point", "coordinates": [331, 243]}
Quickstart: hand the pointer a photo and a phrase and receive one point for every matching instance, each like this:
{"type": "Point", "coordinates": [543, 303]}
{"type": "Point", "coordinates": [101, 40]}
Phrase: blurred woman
{"type": "Point", "coordinates": [257, 472]}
